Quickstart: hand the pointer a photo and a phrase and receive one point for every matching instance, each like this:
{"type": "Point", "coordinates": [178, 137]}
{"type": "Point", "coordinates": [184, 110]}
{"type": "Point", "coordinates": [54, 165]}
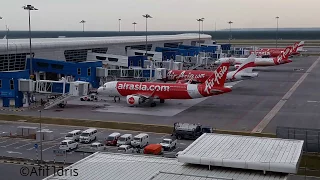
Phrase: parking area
{"type": "Point", "coordinates": [18, 147]}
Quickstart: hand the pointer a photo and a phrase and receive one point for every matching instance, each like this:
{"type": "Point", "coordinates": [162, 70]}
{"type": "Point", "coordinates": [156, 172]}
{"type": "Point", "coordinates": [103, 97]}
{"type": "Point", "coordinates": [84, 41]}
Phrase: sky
{"type": "Point", "coordinates": [168, 15]}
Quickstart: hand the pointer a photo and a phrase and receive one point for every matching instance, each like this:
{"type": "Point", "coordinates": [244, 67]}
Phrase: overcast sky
{"type": "Point", "coordinates": [167, 14]}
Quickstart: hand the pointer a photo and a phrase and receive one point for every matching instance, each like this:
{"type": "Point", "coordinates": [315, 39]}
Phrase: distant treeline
{"type": "Point", "coordinates": [305, 35]}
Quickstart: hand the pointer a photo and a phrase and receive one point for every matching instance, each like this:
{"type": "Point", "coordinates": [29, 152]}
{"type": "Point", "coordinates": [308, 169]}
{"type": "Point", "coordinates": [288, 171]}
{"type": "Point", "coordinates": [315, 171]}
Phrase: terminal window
{"type": "Point", "coordinates": [89, 71]}
{"type": "Point", "coordinates": [12, 62]}
{"type": "Point", "coordinates": [0, 83]}
{"type": "Point", "coordinates": [139, 63]}
{"type": "Point", "coordinates": [79, 71]}
{"type": "Point", "coordinates": [11, 84]}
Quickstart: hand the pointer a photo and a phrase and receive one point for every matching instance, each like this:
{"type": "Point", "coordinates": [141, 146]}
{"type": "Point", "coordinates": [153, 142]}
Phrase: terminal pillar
{"type": "Point", "coordinates": [37, 74]}
{"type": "Point", "coordinates": [25, 100]}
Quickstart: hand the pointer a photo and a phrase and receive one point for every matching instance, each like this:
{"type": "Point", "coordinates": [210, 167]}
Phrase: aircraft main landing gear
{"type": "Point", "coordinates": [153, 104]}
{"type": "Point", "coordinates": [161, 100]}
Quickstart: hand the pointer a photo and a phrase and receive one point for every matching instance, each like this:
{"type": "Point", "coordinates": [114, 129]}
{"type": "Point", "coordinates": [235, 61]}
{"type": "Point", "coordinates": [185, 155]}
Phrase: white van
{"type": "Point", "coordinates": [88, 135]}
{"type": "Point", "coordinates": [140, 140]}
{"type": "Point", "coordinates": [124, 140]}
{"type": "Point", "coordinates": [73, 135]}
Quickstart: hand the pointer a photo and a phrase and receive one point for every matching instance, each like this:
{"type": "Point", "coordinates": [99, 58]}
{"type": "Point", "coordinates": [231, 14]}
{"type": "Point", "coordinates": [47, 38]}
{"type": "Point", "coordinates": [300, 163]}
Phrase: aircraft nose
{"type": "Point", "coordinates": [100, 90]}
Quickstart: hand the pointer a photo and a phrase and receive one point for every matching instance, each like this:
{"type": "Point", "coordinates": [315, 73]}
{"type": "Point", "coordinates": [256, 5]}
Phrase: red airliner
{"type": "Point", "coordinates": [145, 92]}
{"type": "Point", "coordinates": [274, 52]}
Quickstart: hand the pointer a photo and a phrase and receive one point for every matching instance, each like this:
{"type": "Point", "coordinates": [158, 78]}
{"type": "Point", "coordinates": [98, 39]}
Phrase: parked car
{"type": "Point", "coordinates": [73, 135]}
{"type": "Point", "coordinates": [88, 135]}
{"type": "Point", "coordinates": [68, 145]}
{"type": "Point", "coordinates": [91, 97]}
{"type": "Point", "coordinates": [125, 148]}
{"type": "Point", "coordinates": [168, 144]}
{"type": "Point", "coordinates": [140, 140]}
{"type": "Point", "coordinates": [97, 146]}
{"type": "Point", "coordinates": [124, 139]}
{"type": "Point", "coordinates": [112, 139]}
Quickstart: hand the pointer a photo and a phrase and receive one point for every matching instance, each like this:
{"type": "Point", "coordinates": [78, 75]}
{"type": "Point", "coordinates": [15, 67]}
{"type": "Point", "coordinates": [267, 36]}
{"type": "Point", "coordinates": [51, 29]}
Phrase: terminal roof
{"type": "Point", "coordinates": [104, 166]}
{"type": "Point", "coordinates": [246, 152]}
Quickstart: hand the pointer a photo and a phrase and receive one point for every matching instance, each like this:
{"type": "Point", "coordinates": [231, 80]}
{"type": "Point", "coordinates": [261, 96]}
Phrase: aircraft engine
{"type": "Point", "coordinates": [133, 100]}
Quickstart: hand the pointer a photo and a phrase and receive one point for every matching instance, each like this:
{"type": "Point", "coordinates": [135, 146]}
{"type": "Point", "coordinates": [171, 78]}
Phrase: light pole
{"type": "Point", "coordinates": [40, 136]}
{"type": "Point", "coordinates": [119, 25]}
{"type": "Point", "coordinates": [202, 24]}
{"type": "Point", "coordinates": [151, 63]}
{"type": "Point", "coordinates": [277, 31]}
{"type": "Point", "coordinates": [199, 20]}
{"type": "Point", "coordinates": [82, 22]}
{"type": "Point", "coordinates": [230, 36]}
{"type": "Point", "coordinates": [30, 8]}
{"type": "Point", "coordinates": [134, 26]}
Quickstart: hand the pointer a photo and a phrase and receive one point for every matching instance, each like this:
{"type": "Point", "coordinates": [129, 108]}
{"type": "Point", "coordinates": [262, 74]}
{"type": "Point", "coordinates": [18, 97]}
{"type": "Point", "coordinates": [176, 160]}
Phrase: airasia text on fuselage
{"type": "Point", "coordinates": [142, 87]}
{"type": "Point", "coordinates": [172, 76]}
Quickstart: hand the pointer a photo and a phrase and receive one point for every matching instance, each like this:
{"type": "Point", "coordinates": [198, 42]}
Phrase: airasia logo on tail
{"type": "Point", "coordinates": [209, 83]}
{"type": "Point", "coordinates": [284, 55]}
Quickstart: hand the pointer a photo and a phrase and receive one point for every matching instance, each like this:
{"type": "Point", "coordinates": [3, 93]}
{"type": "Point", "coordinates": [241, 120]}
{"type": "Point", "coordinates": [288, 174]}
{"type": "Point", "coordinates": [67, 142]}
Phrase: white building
{"type": "Point", "coordinates": [15, 52]}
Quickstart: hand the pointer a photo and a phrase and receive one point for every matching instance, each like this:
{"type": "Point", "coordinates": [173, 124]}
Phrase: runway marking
{"type": "Point", "coordinates": [49, 148]}
{"type": "Point", "coordinates": [22, 146]}
{"type": "Point", "coordinates": [267, 119]}
{"type": "Point", "coordinates": [3, 141]}
{"type": "Point", "coordinates": [10, 144]}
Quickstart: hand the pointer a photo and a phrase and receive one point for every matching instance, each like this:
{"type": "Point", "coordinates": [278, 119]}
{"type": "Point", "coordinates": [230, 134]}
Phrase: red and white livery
{"type": "Point", "coordinates": [274, 52]}
{"type": "Point", "coordinates": [281, 59]}
{"type": "Point", "coordinates": [145, 92]}
{"type": "Point", "coordinates": [244, 71]}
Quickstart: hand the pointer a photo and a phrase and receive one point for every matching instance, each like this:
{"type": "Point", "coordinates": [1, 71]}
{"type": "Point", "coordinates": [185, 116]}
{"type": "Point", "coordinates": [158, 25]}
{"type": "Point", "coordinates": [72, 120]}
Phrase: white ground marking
{"type": "Point", "coordinates": [10, 144]}
{"type": "Point", "coordinates": [22, 146]}
{"type": "Point", "coordinates": [313, 101]}
{"type": "Point", "coordinates": [48, 148]}
{"type": "Point", "coordinates": [12, 152]}
{"type": "Point", "coordinates": [3, 141]}
{"type": "Point", "coordinates": [267, 119]}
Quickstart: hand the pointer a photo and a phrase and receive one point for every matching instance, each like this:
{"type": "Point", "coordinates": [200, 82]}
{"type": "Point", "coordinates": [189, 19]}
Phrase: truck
{"type": "Point", "coordinates": [189, 131]}
{"type": "Point", "coordinates": [168, 144]}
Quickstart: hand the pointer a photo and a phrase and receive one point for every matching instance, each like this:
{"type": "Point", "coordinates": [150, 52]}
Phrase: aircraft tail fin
{"type": "Point", "coordinates": [300, 47]}
{"type": "Point", "coordinates": [247, 65]}
{"type": "Point", "coordinates": [218, 78]}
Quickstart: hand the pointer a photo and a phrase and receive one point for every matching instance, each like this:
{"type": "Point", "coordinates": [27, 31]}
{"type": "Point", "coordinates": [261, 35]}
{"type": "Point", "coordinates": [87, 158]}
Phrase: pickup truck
{"type": "Point", "coordinates": [168, 144]}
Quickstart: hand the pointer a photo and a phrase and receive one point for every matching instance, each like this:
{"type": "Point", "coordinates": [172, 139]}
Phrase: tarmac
{"type": "Point", "coordinates": [243, 109]}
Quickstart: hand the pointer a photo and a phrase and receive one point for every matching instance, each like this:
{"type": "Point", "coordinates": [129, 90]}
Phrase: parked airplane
{"type": "Point", "coordinates": [274, 52]}
{"type": "Point", "coordinates": [145, 92]}
{"type": "Point", "coordinates": [243, 72]}
{"type": "Point", "coordinates": [281, 59]}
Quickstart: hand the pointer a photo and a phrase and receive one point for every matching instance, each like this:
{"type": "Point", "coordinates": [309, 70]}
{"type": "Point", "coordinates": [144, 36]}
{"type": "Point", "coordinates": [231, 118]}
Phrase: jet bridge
{"type": "Point", "coordinates": [66, 90]}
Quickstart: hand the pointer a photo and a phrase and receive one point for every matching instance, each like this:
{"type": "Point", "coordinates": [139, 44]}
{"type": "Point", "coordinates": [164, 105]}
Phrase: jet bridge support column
{"type": "Point", "coordinates": [26, 99]}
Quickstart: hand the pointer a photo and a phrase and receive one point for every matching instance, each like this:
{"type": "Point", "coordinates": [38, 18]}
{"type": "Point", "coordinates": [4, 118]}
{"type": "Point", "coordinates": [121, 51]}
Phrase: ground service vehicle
{"type": "Point", "coordinates": [189, 131]}
{"type": "Point", "coordinates": [88, 135]}
{"type": "Point", "coordinates": [124, 139]}
{"type": "Point", "coordinates": [112, 139]}
{"type": "Point", "coordinates": [168, 144]}
{"type": "Point", "coordinates": [68, 145]}
{"type": "Point", "coordinates": [154, 149]}
{"type": "Point", "coordinates": [73, 135]}
{"type": "Point", "coordinates": [91, 97]}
